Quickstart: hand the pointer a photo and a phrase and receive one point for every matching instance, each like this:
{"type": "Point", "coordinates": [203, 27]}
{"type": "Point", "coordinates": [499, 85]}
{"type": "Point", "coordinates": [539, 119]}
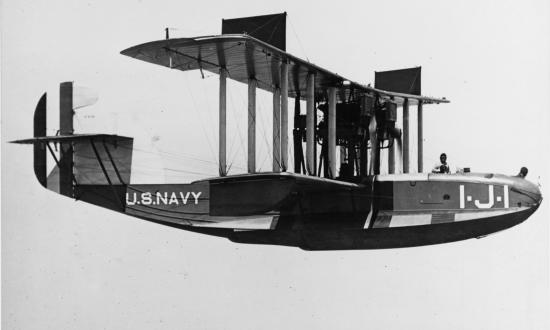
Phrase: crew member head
{"type": "Point", "coordinates": [442, 166]}
{"type": "Point", "coordinates": [523, 172]}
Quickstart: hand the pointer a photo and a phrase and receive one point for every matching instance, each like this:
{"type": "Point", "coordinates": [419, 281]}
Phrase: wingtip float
{"type": "Point", "coordinates": [312, 208]}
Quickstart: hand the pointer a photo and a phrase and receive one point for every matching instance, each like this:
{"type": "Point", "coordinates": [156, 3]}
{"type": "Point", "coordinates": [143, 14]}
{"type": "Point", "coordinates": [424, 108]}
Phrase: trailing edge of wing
{"type": "Point", "coordinates": [245, 57]}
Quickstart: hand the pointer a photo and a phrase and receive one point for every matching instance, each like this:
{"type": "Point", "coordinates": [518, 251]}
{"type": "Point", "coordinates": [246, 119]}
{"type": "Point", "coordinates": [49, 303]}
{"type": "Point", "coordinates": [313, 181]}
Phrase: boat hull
{"type": "Point", "coordinates": [375, 212]}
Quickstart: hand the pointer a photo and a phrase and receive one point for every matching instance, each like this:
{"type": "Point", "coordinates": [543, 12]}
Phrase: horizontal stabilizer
{"type": "Point", "coordinates": [83, 159]}
{"type": "Point", "coordinates": [74, 138]}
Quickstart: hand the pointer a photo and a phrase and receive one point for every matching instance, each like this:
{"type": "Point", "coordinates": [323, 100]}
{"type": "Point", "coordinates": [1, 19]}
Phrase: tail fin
{"type": "Point", "coordinates": [84, 160]}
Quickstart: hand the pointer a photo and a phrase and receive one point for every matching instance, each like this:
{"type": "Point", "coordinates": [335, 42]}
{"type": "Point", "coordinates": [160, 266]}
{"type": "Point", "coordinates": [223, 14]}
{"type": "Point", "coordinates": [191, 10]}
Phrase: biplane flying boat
{"type": "Point", "coordinates": [327, 202]}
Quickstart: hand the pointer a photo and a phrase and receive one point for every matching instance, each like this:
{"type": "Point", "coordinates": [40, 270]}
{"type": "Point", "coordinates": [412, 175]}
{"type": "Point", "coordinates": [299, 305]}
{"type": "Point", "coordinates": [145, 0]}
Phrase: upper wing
{"type": "Point", "coordinates": [74, 138]}
{"type": "Point", "coordinates": [244, 57]}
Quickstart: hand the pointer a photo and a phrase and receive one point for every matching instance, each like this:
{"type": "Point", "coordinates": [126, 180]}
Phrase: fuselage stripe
{"type": "Point", "coordinates": [506, 197]}
{"type": "Point", "coordinates": [410, 220]}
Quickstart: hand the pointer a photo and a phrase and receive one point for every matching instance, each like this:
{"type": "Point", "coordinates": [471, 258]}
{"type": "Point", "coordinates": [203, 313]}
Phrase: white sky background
{"type": "Point", "coordinates": [68, 264]}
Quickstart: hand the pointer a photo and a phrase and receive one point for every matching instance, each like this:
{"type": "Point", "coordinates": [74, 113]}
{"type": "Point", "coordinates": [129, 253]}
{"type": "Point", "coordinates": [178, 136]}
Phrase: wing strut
{"type": "Point", "coordinates": [420, 132]}
{"type": "Point", "coordinates": [406, 141]}
{"type": "Point", "coordinates": [261, 65]}
{"type": "Point", "coordinates": [310, 125]}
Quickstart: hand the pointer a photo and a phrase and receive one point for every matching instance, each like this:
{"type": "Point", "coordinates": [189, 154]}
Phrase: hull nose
{"type": "Point", "coordinates": [526, 193]}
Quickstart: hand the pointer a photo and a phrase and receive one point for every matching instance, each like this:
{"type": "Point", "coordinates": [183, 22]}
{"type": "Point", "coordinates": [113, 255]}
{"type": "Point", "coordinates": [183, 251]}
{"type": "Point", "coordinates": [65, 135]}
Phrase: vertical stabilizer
{"type": "Point", "coordinates": [267, 28]}
{"type": "Point", "coordinates": [406, 81]}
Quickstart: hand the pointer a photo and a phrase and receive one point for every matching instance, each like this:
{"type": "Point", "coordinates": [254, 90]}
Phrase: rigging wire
{"type": "Point", "coordinates": [210, 112]}
{"type": "Point", "coordinates": [262, 120]}
{"type": "Point", "coordinates": [263, 129]}
{"type": "Point", "coordinates": [259, 103]}
{"type": "Point", "coordinates": [200, 118]}
{"type": "Point", "coordinates": [138, 169]}
{"type": "Point", "coordinates": [173, 155]}
{"type": "Point", "coordinates": [170, 154]}
{"type": "Point", "coordinates": [298, 39]}
{"type": "Point", "coordinates": [266, 22]}
{"type": "Point", "coordinates": [241, 139]}
{"type": "Point", "coordinates": [233, 139]}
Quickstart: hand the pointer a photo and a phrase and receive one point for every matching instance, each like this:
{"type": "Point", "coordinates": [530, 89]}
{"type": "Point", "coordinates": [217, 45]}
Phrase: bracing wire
{"type": "Point", "coordinates": [210, 112]}
{"type": "Point", "coordinates": [200, 118]}
{"type": "Point", "coordinates": [264, 134]}
{"type": "Point", "coordinates": [241, 139]}
{"type": "Point", "coordinates": [298, 39]}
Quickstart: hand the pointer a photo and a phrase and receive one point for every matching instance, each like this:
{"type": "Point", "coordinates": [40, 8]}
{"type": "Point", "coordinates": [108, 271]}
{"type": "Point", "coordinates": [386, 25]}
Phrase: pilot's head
{"type": "Point", "coordinates": [443, 158]}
